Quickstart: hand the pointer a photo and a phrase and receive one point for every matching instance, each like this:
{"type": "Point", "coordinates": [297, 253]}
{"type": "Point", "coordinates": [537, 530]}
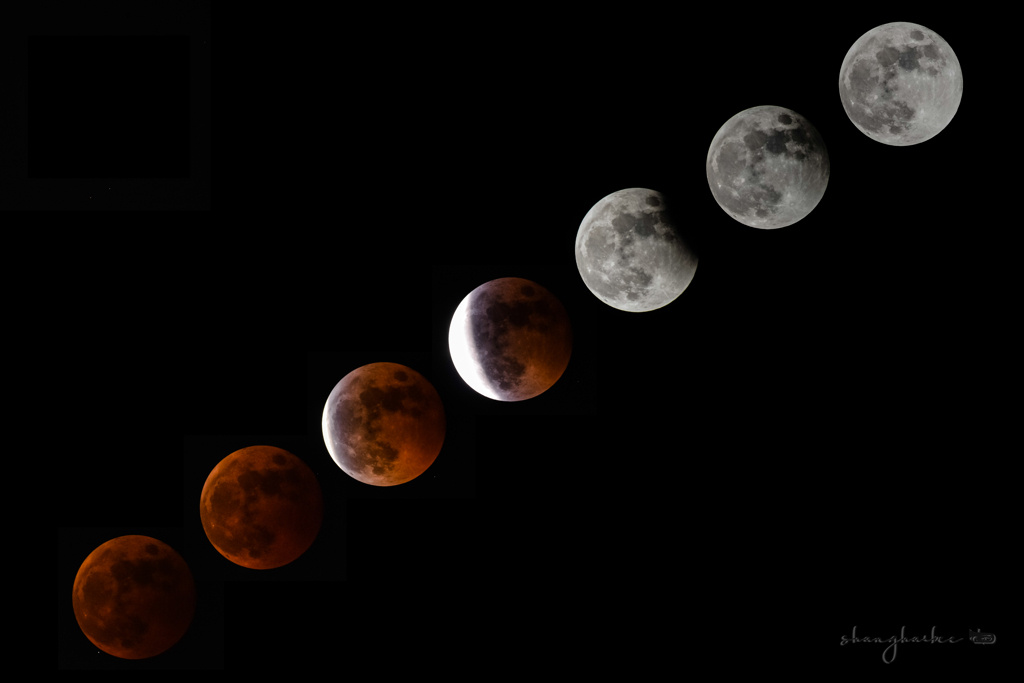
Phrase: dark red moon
{"type": "Point", "coordinates": [261, 507]}
{"type": "Point", "coordinates": [134, 597]}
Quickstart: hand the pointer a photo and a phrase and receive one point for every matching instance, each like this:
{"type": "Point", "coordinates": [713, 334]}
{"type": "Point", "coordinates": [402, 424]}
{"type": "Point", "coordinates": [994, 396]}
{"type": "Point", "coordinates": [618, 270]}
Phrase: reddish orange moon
{"type": "Point", "coordinates": [134, 597]}
{"type": "Point", "coordinates": [383, 424]}
{"type": "Point", "coordinates": [261, 507]}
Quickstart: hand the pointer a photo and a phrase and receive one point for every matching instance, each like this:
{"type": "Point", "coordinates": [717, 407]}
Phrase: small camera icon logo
{"type": "Point", "coordinates": [979, 638]}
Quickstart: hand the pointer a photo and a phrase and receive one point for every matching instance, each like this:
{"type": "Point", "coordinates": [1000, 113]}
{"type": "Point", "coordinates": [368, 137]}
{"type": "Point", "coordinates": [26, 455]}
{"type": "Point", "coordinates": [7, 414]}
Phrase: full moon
{"type": "Point", "coordinates": [383, 424]}
{"type": "Point", "coordinates": [510, 339]}
{"type": "Point", "coordinates": [768, 167]}
{"type": "Point", "coordinates": [261, 507]}
{"type": "Point", "coordinates": [630, 254]}
{"type": "Point", "coordinates": [134, 597]}
{"type": "Point", "coordinates": [901, 84]}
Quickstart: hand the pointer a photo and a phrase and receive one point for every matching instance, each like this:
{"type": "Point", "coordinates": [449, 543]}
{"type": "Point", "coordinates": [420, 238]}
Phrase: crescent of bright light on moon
{"type": "Point", "coordinates": [465, 360]}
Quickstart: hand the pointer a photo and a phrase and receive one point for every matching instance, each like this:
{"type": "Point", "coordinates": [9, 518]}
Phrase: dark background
{"type": "Point", "coordinates": [107, 107]}
{"type": "Point", "coordinates": [110, 106]}
{"type": "Point", "coordinates": [815, 435]}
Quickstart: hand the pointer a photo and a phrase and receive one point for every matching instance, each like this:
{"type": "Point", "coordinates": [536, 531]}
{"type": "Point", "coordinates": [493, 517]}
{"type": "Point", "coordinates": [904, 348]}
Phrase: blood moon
{"type": "Point", "coordinates": [134, 597]}
{"type": "Point", "coordinates": [261, 507]}
{"type": "Point", "coordinates": [383, 424]}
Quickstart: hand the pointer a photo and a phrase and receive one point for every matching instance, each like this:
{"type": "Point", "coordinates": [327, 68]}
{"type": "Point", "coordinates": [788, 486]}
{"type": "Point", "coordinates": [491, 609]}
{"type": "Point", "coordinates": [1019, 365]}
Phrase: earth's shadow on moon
{"type": "Point", "coordinates": [694, 233]}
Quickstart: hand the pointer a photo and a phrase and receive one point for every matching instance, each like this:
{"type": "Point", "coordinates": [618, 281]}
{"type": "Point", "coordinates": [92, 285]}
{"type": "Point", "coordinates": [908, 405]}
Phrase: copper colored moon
{"type": "Point", "coordinates": [134, 597]}
{"type": "Point", "coordinates": [510, 339]}
{"type": "Point", "coordinates": [261, 507]}
{"type": "Point", "coordinates": [383, 424]}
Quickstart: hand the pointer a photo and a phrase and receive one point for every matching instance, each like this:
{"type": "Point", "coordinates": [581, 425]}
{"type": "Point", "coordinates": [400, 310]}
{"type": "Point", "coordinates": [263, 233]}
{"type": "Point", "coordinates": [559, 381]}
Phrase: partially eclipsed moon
{"type": "Point", "coordinates": [630, 254]}
{"type": "Point", "coordinates": [134, 597]}
{"type": "Point", "coordinates": [383, 424]}
{"type": "Point", "coordinates": [261, 507]}
{"type": "Point", "coordinates": [510, 339]}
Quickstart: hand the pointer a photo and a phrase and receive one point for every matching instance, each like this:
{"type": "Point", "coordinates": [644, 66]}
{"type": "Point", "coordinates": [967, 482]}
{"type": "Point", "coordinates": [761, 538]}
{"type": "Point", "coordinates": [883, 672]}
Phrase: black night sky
{"type": "Point", "coordinates": [110, 108]}
{"type": "Point", "coordinates": [814, 435]}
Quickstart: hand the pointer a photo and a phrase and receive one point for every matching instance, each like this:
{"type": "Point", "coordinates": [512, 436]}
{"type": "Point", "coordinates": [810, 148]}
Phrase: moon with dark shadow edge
{"type": "Point", "coordinates": [901, 84]}
{"type": "Point", "coordinates": [261, 507]}
{"type": "Point", "coordinates": [383, 424]}
{"type": "Point", "coordinates": [630, 254]}
{"type": "Point", "coordinates": [768, 167]}
{"type": "Point", "coordinates": [510, 339]}
{"type": "Point", "coordinates": [134, 597]}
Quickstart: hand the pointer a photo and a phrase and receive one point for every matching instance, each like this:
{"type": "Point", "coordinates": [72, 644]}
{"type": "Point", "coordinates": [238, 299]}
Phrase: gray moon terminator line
{"type": "Point", "coordinates": [768, 167]}
{"type": "Point", "coordinates": [901, 84]}
{"type": "Point", "coordinates": [630, 254]}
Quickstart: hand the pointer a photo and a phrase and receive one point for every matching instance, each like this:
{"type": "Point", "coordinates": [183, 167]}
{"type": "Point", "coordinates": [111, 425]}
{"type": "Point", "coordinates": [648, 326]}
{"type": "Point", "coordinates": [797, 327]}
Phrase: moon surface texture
{"type": "Point", "coordinates": [261, 507]}
{"type": "Point", "coordinates": [768, 167]}
{"type": "Point", "coordinates": [901, 84]}
{"type": "Point", "coordinates": [134, 597]}
{"type": "Point", "coordinates": [630, 254]}
{"type": "Point", "coordinates": [384, 424]}
{"type": "Point", "coordinates": [510, 339]}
